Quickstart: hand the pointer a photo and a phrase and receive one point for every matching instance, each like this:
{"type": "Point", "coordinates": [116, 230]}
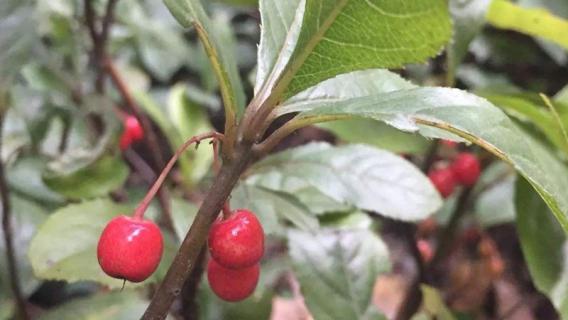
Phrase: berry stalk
{"type": "Point", "coordinates": [139, 211]}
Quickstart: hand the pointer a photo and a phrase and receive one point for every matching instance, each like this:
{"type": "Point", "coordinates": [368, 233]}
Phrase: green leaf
{"type": "Point", "coordinates": [434, 305]}
{"type": "Point", "coordinates": [528, 111]}
{"type": "Point", "coordinates": [341, 36]}
{"type": "Point", "coordinates": [183, 213]}
{"type": "Point", "coordinates": [124, 305]}
{"type": "Point", "coordinates": [190, 13]}
{"type": "Point", "coordinates": [272, 206]}
{"type": "Point", "coordinates": [16, 36]}
{"type": "Point", "coordinates": [434, 111]}
{"type": "Point", "coordinates": [468, 17]}
{"type": "Point", "coordinates": [25, 177]}
{"type": "Point", "coordinates": [544, 246]}
{"type": "Point", "coordinates": [73, 179]}
{"type": "Point", "coordinates": [358, 175]}
{"type": "Point", "coordinates": [537, 22]}
{"type": "Point", "coordinates": [64, 248]}
{"type": "Point", "coordinates": [495, 193]}
{"type": "Point", "coordinates": [337, 271]}
{"type": "Point", "coordinates": [26, 217]}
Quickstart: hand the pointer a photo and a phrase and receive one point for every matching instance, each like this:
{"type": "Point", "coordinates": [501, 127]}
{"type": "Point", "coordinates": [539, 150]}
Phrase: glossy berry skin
{"type": "Point", "coordinates": [444, 181]}
{"type": "Point", "coordinates": [232, 284]}
{"type": "Point", "coordinates": [133, 132]}
{"type": "Point", "coordinates": [130, 248]}
{"type": "Point", "coordinates": [238, 241]}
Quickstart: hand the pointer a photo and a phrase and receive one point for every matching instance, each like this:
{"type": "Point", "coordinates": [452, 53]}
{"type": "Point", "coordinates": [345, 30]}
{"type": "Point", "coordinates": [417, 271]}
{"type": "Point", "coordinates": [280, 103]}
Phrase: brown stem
{"type": "Point", "coordinates": [139, 211]}
{"type": "Point", "coordinates": [186, 257]}
{"type": "Point", "coordinates": [7, 230]}
{"type": "Point", "coordinates": [150, 136]}
{"type": "Point", "coordinates": [413, 297]}
{"type": "Point", "coordinates": [190, 307]}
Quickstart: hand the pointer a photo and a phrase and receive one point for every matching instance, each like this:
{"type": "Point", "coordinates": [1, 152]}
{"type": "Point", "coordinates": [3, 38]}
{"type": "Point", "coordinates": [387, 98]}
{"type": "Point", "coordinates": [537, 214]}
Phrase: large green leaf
{"type": "Point", "coordinates": [358, 175]}
{"type": "Point", "coordinates": [24, 177]}
{"type": "Point", "coordinates": [435, 111]}
{"type": "Point", "coordinates": [327, 38]}
{"type": "Point", "coordinates": [537, 22]}
{"type": "Point", "coordinates": [191, 13]}
{"type": "Point", "coordinates": [495, 192]}
{"type": "Point", "coordinates": [272, 206]}
{"type": "Point", "coordinates": [544, 246]}
{"type": "Point", "coordinates": [64, 247]}
{"type": "Point", "coordinates": [337, 271]}
{"type": "Point", "coordinates": [124, 305]}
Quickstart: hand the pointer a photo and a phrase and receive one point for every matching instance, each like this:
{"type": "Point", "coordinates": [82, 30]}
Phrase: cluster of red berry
{"type": "Point", "coordinates": [130, 248]}
{"type": "Point", "coordinates": [465, 170]}
{"type": "Point", "coordinates": [236, 245]}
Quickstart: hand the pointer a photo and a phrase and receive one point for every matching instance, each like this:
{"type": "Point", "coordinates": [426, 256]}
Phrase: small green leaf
{"type": "Point", "coordinates": [124, 305]}
{"type": "Point", "coordinates": [357, 175]}
{"type": "Point", "coordinates": [86, 181]}
{"type": "Point", "coordinates": [17, 36]}
{"type": "Point", "coordinates": [271, 206]}
{"type": "Point", "coordinates": [190, 13]}
{"type": "Point", "coordinates": [24, 177]}
{"type": "Point", "coordinates": [537, 22]}
{"type": "Point", "coordinates": [434, 305]}
{"type": "Point", "coordinates": [64, 248]}
{"type": "Point", "coordinates": [435, 111]}
{"type": "Point", "coordinates": [468, 17]}
{"type": "Point", "coordinates": [337, 271]}
{"type": "Point", "coordinates": [544, 246]}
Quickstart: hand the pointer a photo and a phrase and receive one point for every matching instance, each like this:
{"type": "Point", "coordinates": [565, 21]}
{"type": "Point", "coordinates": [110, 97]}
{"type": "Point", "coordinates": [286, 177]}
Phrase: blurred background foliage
{"type": "Point", "coordinates": [60, 149]}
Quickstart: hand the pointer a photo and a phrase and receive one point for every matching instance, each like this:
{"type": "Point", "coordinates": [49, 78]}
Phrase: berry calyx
{"type": "Point", "coordinates": [466, 168]}
{"type": "Point", "coordinates": [133, 132]}
{"type": "Point", "coordinates": [238, 241]}
{"type": "Point", "coordinates": [444, 181]}
{"type": "Point", "coordinates": [232, 284]}
{"type": "Point", "coordinates": [130, 248]}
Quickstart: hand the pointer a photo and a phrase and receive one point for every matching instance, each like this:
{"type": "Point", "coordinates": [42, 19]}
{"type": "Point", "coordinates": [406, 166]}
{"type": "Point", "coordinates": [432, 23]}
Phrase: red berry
{"type": "Point", "coordinates": [425, 250]}
{"type": "Point", "coordinates": [132, 132]}
{"type": "Point", "coordinates": [466, 168]}
{"type": "Point", "coordinates": [130, 248]}
{"type": "Point", "coordinates": [232, 284]}
{"type": "Point", "coordinates": [449, 143]}
{"type": "Point", "coordinates": [444, 181]}
{"type": "Point", "coordinates": [238, 241]}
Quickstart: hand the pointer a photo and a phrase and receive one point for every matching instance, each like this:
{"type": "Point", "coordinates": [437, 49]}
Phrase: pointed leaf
{"type": "Point", "coordinates": [435, 111]}
{"type": "Point", "coordinates": [337, 271]}
{"type": "Point", "coordinates": [191, 13]}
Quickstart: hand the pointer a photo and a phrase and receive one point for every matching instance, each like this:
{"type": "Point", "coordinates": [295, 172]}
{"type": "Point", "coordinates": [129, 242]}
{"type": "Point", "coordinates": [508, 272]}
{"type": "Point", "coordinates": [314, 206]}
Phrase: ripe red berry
{"type": "Point", "coordinates": [238, 241]}
{"type": "Point", "coordinates": [132, 132]}
{"type": "Point", "coordinates": [232, 284]}
{"type": "Point", "coordinates": [466, 168]}
{"type": "Point", "coordinates": [130, 248]}
{"type": "Point", "coordinates": [444, 181]}
{"type": "Point", "coordinates": [449, 143]}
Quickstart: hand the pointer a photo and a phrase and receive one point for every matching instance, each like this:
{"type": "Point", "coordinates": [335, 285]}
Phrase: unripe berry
{"type": "Point", "coordinates": [130, 248]}
{"type": "Point", "coordinates": [238, 241]}
{"type": "Point", "coordinates": [444, 181]}
{"type": "Point", "coordinates": [466, 169]}
{"type": "Point", "coordinates": [132, 132]}
{"type": "Point", "coordinates": [232, 284]}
